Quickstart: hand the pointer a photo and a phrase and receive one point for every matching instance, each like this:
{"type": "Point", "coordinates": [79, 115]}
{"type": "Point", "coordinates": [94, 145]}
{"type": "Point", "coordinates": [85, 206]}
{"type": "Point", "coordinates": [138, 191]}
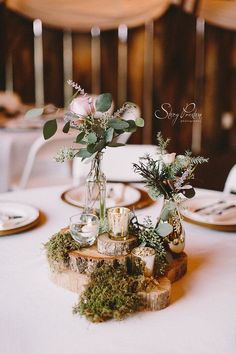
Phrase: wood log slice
{"type": "Point", "coordinates": [70, 280]}
{"type": "Point", "coordinates": [177, 268]}
{"type": "Point", "coordinates": [158, 298]}
{"type": "Point", "coordinates": [154, 300]}
{"type": "Point", "coordinates": [85, 260]}
{"type": "Point", "coordinates": [110, 247]}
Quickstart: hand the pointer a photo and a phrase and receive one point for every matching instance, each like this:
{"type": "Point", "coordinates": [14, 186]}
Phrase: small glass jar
{"type": "Point", "coordinates": [84, 228]}
{"type": "Point", "coordinates": [147, 256]}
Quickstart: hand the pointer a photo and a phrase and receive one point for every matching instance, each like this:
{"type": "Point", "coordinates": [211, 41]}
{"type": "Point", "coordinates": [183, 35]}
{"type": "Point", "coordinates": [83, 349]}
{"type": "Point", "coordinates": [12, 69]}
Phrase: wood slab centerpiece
{"type": "Point", "coordinates": [74, 274]}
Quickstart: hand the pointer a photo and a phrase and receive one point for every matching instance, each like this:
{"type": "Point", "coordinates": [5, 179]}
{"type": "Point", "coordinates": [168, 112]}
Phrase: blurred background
{"type": "Point", "coordinates": [149, 53]}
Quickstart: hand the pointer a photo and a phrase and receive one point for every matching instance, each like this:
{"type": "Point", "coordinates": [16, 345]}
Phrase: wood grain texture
{"type": "Point", "coordinates": [174, 73]}
{"type": "Point", "coordinates": [158, 298]}
{"type": "Point", "coordinates": [177, 268]}
{"type": "Point", "coordinates": [155, 300]}
{"type": "Point", "coordinates": [21, 48]}
{"type": "Point", "coordinates": [85, 260]}
{"type": "Point", "coordinates": [109, 62]}
{"type": "Point", "coordinates": [53, 66]}
{"type": "Point", "coordinates": [82, 70]}
{"type": "Point", "coordinates": [135, 73]}
{"type": "Point", "coordinates": [3, 47]}
{"type": "Point", "coordinates": [114, 247]}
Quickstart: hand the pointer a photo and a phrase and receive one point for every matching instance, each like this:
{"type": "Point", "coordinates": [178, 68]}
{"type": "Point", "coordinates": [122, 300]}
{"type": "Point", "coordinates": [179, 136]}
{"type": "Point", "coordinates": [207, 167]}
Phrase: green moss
{"type": "Point", "coordinates": [111, 293]}
{"type": "Point", "coordinates": [59, 246]}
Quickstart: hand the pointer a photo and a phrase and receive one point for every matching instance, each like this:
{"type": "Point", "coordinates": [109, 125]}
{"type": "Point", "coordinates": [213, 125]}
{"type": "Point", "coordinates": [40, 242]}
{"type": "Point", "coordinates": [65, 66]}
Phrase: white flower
{"type": "Point", "coordinates": [168, 158]}
{"type": "Point", "coordinates": [82, 106]}
{"type": "Point", "coordinates": [183, 160]}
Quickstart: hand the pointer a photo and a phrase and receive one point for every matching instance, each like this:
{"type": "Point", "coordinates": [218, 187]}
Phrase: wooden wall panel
{"type": "Point", "coordinates": [219, 87]}
{"type": "Point", "coordinates": [174, 73]}
{"type": "Point", "coordinates": [53, 66]}
{"type": "Point", "coordinates": [21, 48]}
{"type": "Point", "coordinates": [135, 73]}
{"type": "Point", "coordinates": [109, 62]}
{"type": "Point", "coordinates": [82, 60]}
{"type": "Point", "coordinates": [2, 47]}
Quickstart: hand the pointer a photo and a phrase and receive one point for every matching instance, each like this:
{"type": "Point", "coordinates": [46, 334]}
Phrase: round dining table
{"type": "Point", "coordinates": [36, 315]}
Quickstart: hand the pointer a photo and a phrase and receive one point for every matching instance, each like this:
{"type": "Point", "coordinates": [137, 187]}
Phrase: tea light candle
{"type": "Point", "coordinates": [118, 223]}
{"type": "Point", "coordinates": [147, 255]}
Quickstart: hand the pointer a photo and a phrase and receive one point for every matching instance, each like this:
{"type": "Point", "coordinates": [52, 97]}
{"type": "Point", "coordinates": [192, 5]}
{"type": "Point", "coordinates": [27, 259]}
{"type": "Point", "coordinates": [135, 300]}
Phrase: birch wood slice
{"type": "Point", "coordinates": [154, 300]}
{"type": "Point", "coordinates": [177, 268]}
{"type": "Point", "coordinates": [85, 260]}
{"type": "Point", "coordinates": [110, 247]}
{"type": "Point", "coordinates": [159, 298]}
{"type": "Point", "coordinates": [70, 280]}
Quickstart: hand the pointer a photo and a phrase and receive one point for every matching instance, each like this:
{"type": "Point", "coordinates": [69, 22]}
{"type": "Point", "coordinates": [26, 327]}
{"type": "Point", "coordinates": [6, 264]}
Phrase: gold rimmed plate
{"type": "Point", "coordinates": [21, 217]}
{"type": "Point", "coordinates": [118, 194]}
{"type": "Point", "coordinates": [215, 212]}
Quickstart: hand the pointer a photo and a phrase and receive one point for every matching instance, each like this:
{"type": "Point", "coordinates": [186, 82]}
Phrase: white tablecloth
{"type": "Point", "coordinates": [36, 316]}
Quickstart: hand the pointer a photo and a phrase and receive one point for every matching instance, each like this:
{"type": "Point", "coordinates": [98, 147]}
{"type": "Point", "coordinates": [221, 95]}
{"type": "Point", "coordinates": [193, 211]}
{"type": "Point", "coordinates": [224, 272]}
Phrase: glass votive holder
{"type": "Point", "coordinates": [118, 223]}
{"type": "Point", "coordinates": [147, 255]}
{"type": "Point", "coordinates": [84, 228]}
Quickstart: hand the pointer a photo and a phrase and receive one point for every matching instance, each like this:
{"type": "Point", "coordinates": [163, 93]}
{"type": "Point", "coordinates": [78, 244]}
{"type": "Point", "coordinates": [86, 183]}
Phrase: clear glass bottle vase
{"type": "Point", "coordinates": [176, 239]}
{"type": "Point", "coordinates": [95, 197]}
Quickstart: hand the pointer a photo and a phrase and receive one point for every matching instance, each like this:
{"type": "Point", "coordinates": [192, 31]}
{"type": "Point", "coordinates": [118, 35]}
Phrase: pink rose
{"type": "Point", "coordinates": [82, 106]}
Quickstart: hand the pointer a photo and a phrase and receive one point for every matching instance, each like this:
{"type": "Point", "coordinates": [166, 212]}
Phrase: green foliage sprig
{"type": "Point", "coordinates": [58, 248]}
{"type": "Point", "coordinates": [112, 293]}
{"type": "Point", "coordinates": [154, 237]}
{"type": "Point", "coordinates": [97, 127]}
{"type": "Point", "coordinates": [168, 175]}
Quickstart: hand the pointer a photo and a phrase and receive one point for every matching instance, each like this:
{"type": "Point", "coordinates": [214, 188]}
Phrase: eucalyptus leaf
{"type": "Point", "coordinates": [66, 127]}
{"type": "Point", "coordinates": [139, 122]}
{"type": "Point", "coordinates": [91, 138]}
{"type": "Point", "coordinates": [99, 146]}
{"type": "Point", "coordinates": [109, 135]}
{"type": "Point", "coordinates": [132, 126]}
{"type": "Point", "coordinates": [103, 102]}
{"type": "Point", "coordinates": [118, 124]}
{"type": "Point", "coordinates": [167, 211]}
{"type": "Point", "coordinates": [91, 148]}
{"type": "Point", "coordinates": [34, 113]}
{"type": "Point", "coordinates": [80, 137]}
{"type": "Point", "coordinates": [164, 229]}
{"type": "Point", "coordinates": [84, 153]}
{"type": "Point", "coordinates": [49, 128]}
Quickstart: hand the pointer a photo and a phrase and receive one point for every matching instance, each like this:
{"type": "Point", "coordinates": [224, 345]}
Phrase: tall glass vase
{"type": "Point", "coordinates": [95, 198]}
{"type": "Point", "coordinates": [176, 239]}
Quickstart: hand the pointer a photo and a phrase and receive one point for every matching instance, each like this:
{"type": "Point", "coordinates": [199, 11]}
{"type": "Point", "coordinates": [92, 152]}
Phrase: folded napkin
{"type": "Point", "coordinates": [8, 223]}
{"type": "Point", "coordinates": [217, 212]}
{"type": "Point", "coordinates": [116, 194]}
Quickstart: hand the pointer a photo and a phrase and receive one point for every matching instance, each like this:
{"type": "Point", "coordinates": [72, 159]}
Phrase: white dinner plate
{"type": "Point", "coordinates": [20, 216]}
{"type": "Point", "coordinates": [118, 194]}
{"type": "Point", "coordinates": [213, 211]}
